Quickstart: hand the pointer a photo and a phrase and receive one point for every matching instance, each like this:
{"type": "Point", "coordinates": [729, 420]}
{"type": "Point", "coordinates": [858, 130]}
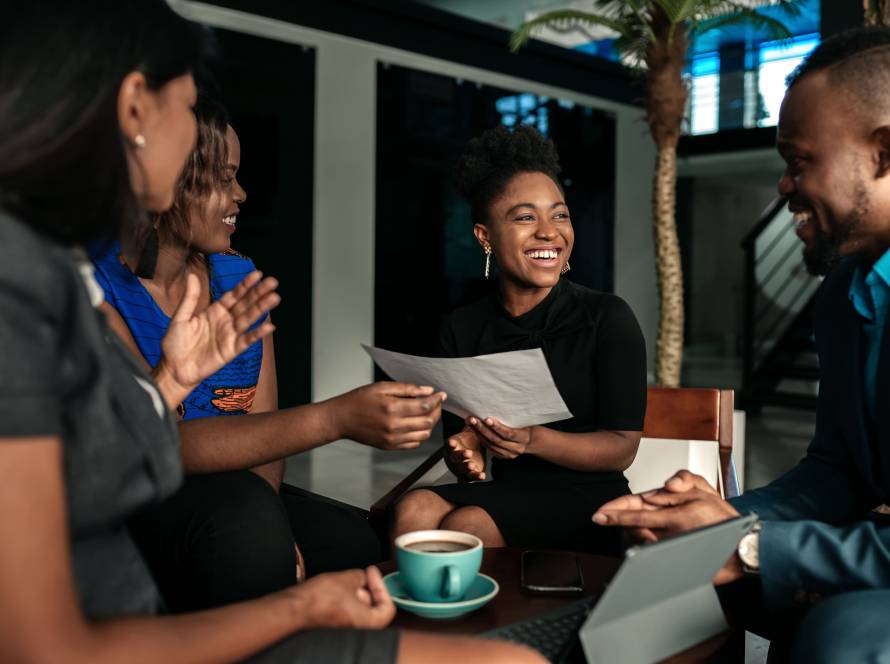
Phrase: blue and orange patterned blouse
{"type": "Point", "coordinates": [232, 389]}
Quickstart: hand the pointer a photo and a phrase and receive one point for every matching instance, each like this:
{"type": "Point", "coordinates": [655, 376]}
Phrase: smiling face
{"type": "Point", "coordinates": [213, 217]}
{"type": "Point", "coordinates": [834, 177]}
{"type": "Point", "coordinates": [529, 231]}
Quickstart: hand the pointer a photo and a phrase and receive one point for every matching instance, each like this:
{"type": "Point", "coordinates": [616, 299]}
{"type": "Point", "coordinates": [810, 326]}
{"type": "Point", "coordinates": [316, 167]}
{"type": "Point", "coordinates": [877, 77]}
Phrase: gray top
{"type": "Point", "coordinates": [66, 374]}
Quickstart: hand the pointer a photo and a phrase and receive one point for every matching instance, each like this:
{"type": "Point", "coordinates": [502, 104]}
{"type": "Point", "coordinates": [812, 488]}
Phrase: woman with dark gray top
{"type": "Point", "coordinates": [95, 125]}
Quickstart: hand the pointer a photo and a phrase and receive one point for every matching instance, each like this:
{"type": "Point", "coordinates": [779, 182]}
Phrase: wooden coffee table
{"type": "Point", "coordinates": [511, 605]}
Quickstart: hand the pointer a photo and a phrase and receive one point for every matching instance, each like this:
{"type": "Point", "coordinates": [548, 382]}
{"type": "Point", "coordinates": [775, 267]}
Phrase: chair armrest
{"type": "Point", "coordinates": [380, 507]}
{"type": "Point", "coordinates": [286, 489]}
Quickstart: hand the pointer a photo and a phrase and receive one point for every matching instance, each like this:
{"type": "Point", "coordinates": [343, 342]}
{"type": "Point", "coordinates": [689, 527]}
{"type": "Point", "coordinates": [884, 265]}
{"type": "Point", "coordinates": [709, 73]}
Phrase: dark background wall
{"type": "Point", "coordinates": [269, 89]}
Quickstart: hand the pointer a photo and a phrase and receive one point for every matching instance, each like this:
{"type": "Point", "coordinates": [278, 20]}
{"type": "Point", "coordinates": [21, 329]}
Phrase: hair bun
{"type": "Point", "coordinates": [490, 161]}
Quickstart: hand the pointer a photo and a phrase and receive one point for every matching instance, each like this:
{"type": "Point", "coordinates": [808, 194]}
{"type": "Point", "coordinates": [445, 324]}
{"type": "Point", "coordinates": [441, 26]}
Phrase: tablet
{"type": "Point", "coordinates": [662, 600]}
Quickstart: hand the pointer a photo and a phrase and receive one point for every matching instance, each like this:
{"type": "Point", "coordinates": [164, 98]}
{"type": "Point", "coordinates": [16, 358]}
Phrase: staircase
{"type": "Point", "coordinates": [780, 365]}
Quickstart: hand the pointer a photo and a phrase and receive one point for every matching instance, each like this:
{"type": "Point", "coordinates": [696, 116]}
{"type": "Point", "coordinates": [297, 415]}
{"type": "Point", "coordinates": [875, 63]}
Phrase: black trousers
{"type": "Point", "coordinates": [228, 537]}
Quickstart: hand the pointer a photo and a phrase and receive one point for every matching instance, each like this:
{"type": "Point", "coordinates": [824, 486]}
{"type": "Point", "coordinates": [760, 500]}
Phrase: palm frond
{"type": "Point", "coordinates": [790, 8]}
{"type": "Point", "coordinates": [741, 15]}
{"type": "Point", "coordinates": [563, 20]}
{"type": "Point", "coordinates": [672, 9]}
{"type": "Point", "coordinates": [688, 9]}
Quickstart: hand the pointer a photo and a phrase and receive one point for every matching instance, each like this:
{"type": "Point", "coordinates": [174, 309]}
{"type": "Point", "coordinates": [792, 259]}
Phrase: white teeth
{"type": "Point", "coordinates": [230, 220]}
{"type": "Point", "coordinates": [543, 253]}
{"type": "Point", "coordinates": [802, 218]}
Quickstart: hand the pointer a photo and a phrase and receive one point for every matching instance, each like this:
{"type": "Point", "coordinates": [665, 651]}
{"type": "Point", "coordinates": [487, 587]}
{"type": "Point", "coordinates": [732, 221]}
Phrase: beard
{"type": "Point", "coordinates": [825, 251]}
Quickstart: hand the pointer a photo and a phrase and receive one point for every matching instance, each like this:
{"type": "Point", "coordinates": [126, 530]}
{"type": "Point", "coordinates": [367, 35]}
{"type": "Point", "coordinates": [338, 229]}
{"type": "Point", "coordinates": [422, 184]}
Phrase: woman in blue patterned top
{"type": "Point", "coordinates": [228, 535]}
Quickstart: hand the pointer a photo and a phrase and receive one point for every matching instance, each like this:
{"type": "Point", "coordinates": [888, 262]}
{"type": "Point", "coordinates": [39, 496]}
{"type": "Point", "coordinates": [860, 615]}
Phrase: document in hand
{"type": "Point", "coordinates": [515, 388]}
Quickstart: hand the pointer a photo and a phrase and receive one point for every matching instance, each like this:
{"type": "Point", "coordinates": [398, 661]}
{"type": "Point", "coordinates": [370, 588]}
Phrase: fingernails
{"type": "Point", "coordinates": [600, 518]}
{"type": "Point", "coordinates": [489, 421]}
{"type": "Point", "coordinates": [473, 421]}
{"type": "Point", "coordinates": [444, 397]}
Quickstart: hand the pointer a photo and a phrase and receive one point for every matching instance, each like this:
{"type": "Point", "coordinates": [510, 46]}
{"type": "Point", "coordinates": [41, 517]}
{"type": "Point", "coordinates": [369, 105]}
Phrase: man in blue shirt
{"type": "Point", "coordinates": [820, 549]}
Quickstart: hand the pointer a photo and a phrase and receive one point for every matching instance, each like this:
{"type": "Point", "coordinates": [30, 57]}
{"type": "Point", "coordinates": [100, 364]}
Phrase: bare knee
{"type": "Point", "coordinates": [422, 502]}
{"type": "Point", "coordinates": [470, 519]}
{"type": "Point", "coordinates": [420, 509]}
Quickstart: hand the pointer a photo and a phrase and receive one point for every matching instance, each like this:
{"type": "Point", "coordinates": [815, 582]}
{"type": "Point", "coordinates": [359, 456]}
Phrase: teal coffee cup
{"type": "Point", "coordinates": [437, 565]}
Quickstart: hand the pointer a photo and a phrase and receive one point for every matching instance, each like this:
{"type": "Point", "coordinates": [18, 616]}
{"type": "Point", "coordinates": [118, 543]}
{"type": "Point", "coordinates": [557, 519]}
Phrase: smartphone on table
{"type": "Point", "coordinates": [551, 573]}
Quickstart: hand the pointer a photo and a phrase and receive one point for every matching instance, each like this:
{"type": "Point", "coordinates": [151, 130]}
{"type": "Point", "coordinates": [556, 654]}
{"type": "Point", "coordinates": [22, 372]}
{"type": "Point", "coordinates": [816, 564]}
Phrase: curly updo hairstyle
{"type": "Point", "coordinates": [492, 159]}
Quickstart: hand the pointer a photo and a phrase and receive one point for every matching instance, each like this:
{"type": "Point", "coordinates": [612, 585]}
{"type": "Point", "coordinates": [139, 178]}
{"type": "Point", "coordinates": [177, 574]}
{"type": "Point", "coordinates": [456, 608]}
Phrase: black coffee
{"type": "Point", "coordinates": [437, 546]}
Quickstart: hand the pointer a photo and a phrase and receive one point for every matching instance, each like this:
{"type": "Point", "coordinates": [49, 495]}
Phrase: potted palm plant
{"type": "Point", "coordinates": [653, 36]}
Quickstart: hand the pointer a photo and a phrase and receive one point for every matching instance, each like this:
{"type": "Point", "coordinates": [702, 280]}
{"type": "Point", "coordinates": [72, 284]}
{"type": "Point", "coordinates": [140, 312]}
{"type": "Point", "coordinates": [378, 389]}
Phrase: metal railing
{"type": "Point", "coordinates": [778, 289]}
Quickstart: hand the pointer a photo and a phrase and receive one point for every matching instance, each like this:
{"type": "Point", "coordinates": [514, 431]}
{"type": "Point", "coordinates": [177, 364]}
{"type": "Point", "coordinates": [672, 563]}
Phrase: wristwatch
{"type": "Point", "coordinates": [748, 549]}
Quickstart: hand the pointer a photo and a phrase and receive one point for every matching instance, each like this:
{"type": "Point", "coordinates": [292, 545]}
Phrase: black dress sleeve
{"type": "Point", "coordinates": [620, 368]}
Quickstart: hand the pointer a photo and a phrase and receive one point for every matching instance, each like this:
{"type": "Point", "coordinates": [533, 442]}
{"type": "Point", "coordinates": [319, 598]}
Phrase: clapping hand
{"type": "Point", "coordinates": [502, 441]}
{"type": "Point", "coordinates": [464, 456]}
{"type": "Point", "coordinates": [197, 345]}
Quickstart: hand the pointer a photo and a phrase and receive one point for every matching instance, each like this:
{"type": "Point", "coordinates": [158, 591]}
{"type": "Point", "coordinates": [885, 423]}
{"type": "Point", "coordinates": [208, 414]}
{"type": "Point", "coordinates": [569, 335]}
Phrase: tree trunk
{"type": "Point", "coordinates": [877, 12]}
{"type": "Point", "coordinates": [666, 106]}
{"type": "Point", "coordinates": [669, 344]}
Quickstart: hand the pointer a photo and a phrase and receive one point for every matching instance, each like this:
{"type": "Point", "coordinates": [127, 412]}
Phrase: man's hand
{"type": "Point", "coordinates": [198, 345]}
{"type": "Point", "coordinates": [683, 481]}
{"type": "Point", "coordinates": [353, 599]}
{"type": "Point", "coordinates": [502, 441]}
{"type": "Point", "coordinates": [657, 514]}
{"type": "Point", "coordinates": [463, 454]}
{"type": "Point", "coordinates": [664, 512]}
{"type": "Point", "coordinates": [389, 416]}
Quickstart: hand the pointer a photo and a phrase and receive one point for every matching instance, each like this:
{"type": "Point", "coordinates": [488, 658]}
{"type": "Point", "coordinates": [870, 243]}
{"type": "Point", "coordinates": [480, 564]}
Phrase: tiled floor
{"type": "Point", "coordinates": [353, 473]}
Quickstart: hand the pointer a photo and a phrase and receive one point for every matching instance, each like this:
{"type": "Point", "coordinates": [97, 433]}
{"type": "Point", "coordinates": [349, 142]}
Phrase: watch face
{"type": "Point", "coordinates": [748, 551]}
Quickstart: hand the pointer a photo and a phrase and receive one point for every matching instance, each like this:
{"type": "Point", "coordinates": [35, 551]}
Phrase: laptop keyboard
{"type": "Point", "coordinates": [552, 634]}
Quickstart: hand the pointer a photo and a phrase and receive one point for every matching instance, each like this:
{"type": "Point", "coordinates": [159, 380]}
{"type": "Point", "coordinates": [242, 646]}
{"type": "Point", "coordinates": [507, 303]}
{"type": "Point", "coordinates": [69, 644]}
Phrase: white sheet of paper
{"type": "Point", "coordinates": [515, 388]}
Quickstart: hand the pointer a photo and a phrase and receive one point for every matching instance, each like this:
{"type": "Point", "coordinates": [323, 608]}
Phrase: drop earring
{"type": "Point", "coordinates": [565, 268]}
{"type": "Point", "coordinates": [487, 260]}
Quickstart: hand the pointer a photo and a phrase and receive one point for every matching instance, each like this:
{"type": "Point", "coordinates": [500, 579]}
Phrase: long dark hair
{"type": "Point", "coordinates": [204, 171]}
{"type": "Point", "coordinates": [63, 165]}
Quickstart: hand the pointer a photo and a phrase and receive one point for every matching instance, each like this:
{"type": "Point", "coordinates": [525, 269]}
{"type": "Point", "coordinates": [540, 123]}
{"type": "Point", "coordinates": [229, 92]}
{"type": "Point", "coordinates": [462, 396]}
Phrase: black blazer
{"type": "Point", "coordinates": [846, 472]}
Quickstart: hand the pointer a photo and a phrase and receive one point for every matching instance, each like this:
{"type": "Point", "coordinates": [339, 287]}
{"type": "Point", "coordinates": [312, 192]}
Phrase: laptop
{"type": "Point", "coordinates": [660, 602]}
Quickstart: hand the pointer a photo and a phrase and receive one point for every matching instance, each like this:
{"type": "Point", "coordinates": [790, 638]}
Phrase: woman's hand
{"type": "Point", "coordinates": [197, 345]}
{"type": "Point", "coordinates": [354, 598]}
{"type": "Point", "coordinates": [464, 456]}
{"type": "Point", "coordinates": [501, 440]}
{"type": "Point", "coordinates": [389, 416]}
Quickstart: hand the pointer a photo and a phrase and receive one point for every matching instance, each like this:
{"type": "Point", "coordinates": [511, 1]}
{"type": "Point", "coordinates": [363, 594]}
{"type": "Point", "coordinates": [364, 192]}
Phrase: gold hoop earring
{"type": "Point", "coordinates": [565, 268]}
{"type": "Point", "coordinates": [139, 141]}
{"type": "Point", "coordinates": [487, 260]}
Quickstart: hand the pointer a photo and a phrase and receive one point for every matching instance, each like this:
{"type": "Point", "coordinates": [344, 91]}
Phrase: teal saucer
{"type": "Point", "coordinates": [480, 593]}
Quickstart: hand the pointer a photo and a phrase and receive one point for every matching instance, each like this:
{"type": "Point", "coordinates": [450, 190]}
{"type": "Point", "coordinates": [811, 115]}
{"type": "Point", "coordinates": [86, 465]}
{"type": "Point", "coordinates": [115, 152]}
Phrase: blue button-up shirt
{"type": "Point", "coordinates": [870, 295]}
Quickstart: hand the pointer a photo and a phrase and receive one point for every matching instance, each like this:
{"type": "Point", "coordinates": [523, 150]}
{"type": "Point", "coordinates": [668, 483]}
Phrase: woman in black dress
{"type": "Point", "coordinates": [547, 480]}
